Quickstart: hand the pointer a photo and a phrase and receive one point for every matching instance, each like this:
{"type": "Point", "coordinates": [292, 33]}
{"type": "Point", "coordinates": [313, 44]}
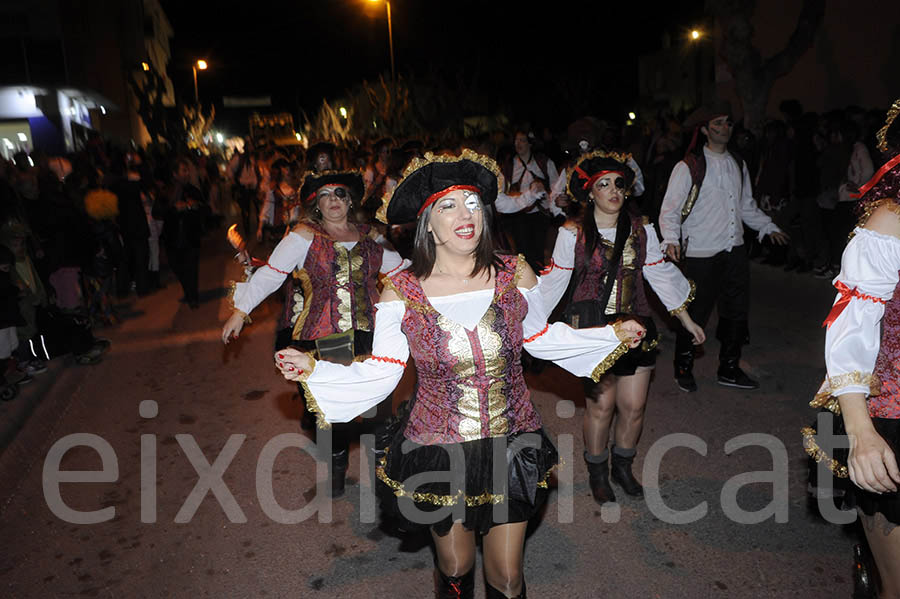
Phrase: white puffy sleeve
{"type": "Point", "coordinates": [583, 352]}
{"type": "Point", "coordinates": [667, 282]}
{"type": "Point", "coordinates": [340, 393]}
{"type": "Point", "coordinates": [555, 277]}
{"type": "Point", "coordinates": [287, 255]}
{"type": "Point", "coordinates": [867, 280]}
{"type": "Point", "coordinates": [391, 261]}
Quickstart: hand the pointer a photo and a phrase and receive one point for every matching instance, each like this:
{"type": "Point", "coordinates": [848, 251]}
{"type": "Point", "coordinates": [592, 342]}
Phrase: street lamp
{"type": "Point", "coordinates": [390, 37]}
{"type": "Point", "coordinates": [201, 65]}
{"type": "Point", "coordinates": [694, 38]}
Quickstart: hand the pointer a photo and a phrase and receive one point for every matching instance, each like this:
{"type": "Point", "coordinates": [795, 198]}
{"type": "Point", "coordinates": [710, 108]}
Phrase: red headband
{"type": "Point", "coordinates": [438, 195]}
{"type": "Point", "coordinates": [890, 164]}
{"type": "Point", "coordinates": [593, 179]}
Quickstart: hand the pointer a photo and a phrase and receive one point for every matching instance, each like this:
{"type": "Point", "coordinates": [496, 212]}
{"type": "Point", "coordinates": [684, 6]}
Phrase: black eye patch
{"type": "Point", "coordinates": [340, 192]}
{"type": "Point", "coordinates": [620, 183]}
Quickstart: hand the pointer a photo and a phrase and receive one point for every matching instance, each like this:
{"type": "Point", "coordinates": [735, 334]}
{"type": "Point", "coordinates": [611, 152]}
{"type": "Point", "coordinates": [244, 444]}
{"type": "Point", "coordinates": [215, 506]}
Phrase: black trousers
{"type": "Point", "coordinates": [185, 263]}
{"type": "Point", "coordinates": [722, 281]}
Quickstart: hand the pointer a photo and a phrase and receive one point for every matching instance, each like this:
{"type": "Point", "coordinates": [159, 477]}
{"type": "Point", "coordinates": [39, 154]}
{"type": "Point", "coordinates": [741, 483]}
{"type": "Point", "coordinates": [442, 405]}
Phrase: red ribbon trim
{"type": "Point", "coordinates": [888, 166]}
{"type": "Point", "coordinates": [536, 335]}
{"type": "Point", "coordinates": [549, 268]}
{"type": "Point", "coordinates": [660, 261]}
{"type": "Point", "coordinates": [593, 179]}
{"type": "Point", "coordinates": [389, 360]}
{"type": "Point", "coordinates": [276, 270]}
{"type": "Point", "coordinates": [438, 195]}
{"type": "Point", "coordinates": [846, 295]}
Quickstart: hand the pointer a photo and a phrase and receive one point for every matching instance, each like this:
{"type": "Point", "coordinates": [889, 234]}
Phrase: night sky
{"type": "Point", "coordinates": [302, 51]}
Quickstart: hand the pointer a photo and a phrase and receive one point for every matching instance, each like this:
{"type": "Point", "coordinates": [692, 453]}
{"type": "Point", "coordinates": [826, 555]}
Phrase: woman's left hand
{"type": "Point", "coordinates": [293, 364]}
{"type": "Point", "coordinates": [630, 332]}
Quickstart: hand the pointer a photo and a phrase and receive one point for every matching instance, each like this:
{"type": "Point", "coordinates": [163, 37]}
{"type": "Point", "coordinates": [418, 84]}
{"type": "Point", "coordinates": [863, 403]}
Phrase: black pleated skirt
{"type": "Point", "coordinates": [481, 483]}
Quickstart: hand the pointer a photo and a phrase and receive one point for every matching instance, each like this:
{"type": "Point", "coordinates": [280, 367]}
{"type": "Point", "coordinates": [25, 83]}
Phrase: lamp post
{"type": "Point", "coordinates": [390, 38]}
{"type": "Point", "coordinates": [201, 65]}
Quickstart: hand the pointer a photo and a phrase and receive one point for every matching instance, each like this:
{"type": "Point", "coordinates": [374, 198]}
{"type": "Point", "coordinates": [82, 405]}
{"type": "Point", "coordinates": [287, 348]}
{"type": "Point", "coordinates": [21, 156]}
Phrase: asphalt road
{"type": "Point", "coordinates": [212, 413]}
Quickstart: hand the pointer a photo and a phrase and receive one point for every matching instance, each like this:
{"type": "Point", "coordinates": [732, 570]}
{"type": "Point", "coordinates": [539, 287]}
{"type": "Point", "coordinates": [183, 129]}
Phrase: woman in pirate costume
{"type": "Point", "coordinates": [611, 254]}
{"type": "Point", "coordinates": [471, 457]}
{"type": "Point", "coordinates": [337, 264]}
{"type": "Point", "coordinates": [862, 355]}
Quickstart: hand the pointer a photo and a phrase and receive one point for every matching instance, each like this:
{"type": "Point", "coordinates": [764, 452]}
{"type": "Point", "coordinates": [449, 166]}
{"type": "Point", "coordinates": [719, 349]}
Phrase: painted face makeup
{"type": "Point", "coordinates": [608, 193]}
{"type": "Point", "coordinates": [457, 220]}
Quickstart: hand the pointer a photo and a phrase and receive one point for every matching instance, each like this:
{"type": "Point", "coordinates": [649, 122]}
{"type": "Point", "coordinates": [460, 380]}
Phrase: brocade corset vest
{"type": "Point", "coordinates": [336, 287]}
{"type": "Point", "coordinates": [887, 365]}
{"type": "Point", "coordinates": [628, 290]}
{"type": "Point", "coordinates": [470, 381]}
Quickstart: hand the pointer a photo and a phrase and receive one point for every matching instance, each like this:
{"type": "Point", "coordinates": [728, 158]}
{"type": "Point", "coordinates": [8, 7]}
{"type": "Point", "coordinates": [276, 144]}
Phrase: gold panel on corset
{"type": "Point", "coordinates": [629, 256]}
{"type": "Point", "coordinates": [470, 409]}
{"type": "Point", "coordinates": [491, 343]}
{"type": "Point", "coordinates": [498, 423]}
{"type": "Point", "coordinates": [459, 347]}
{"type": "Point", "coordinates": [342, 290]}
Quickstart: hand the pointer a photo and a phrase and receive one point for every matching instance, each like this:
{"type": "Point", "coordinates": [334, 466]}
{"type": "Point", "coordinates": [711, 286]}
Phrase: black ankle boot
{"type": "Point", "coordinates": [622, 475]}
{"type": "Point", "coordinates": [598, 474]}
{"type": "Point", "coordinates": [492, 593]}
{"type": "Point", "coordinates": [337, 471]}
{"type": "Point", "coordinates": [455, 587]}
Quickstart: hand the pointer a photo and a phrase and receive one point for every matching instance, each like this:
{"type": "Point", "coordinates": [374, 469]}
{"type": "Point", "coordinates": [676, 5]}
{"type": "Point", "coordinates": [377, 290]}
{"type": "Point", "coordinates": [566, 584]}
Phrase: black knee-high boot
{"type": "Point", "coordinates": [455, 587]}
{"type": "Point", "coordinates": [598, 477]}
{"type": "Point", "coordinates": [621, 471]}
{"type": "Point", "coordinates": [493, 593]}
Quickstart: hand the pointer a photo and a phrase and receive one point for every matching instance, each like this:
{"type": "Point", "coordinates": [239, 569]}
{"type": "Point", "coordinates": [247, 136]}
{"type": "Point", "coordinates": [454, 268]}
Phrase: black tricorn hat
{"type": "Point", "coordinates": [321, 147]}
{"type": "Point", "coordinates": [313, 181]}
{"type": "Point", "coordinates": [708, 112]}
{"type": "Point", "coordinates": [591, 166]}
{"type": "Point", "coordinates": [425, 178]}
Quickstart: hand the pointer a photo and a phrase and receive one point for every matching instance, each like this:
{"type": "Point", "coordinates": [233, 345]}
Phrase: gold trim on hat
{"type": "Point", "coordinates": [882, 133]}
{"type": "Point", "coordinates": [622, 157]}
{"type": "Point", "coordinates": [430, 158]}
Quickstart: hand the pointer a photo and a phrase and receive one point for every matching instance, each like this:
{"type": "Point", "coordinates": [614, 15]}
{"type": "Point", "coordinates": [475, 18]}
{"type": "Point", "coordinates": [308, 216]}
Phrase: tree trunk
{"type": "Point", "coordinates": [753, 76]}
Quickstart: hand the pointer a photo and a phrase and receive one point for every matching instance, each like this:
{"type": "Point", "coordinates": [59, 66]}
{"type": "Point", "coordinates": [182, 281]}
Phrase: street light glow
{"type": "Point", "coordinates": [201, 64]}
{"type": "Point", "coordinates": [145, 66]}
{"type": "Point", "coordinates": [102, 109]}
{"type": "Point", "coordinates": [220, 138]}
{"type": "Point", "coordinates": [343, 112]}
{"type": "Point", "coordinates": [695, 34]}
{"type": "Point", "coordinates": [632, 116]}
{"type": "Point", "coordinates": [298, 136]}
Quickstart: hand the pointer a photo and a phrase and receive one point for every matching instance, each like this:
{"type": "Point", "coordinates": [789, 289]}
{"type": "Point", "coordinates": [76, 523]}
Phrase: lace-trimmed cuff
{"type": "Point", "coordinates": [687, 301]}
{"type": "Point", "coordinates": [850, 382]}
{"type": "Point", "coordinates": [245, 316]}
{"type": "Point", "coordinates": [608, 361]}
{"type": "Point", "coordinates": [311, 404]}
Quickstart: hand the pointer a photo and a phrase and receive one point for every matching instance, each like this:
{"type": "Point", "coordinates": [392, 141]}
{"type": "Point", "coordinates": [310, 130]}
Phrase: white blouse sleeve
{"type": "Point", "coordinates": [288, 254]}
{"type": "Point", "coordinates": [867, 280]}
{"type": "Point", "coordinates": [340, 393]}
{"type": "Point", "coordinates": [555, 277]}
{"type": "Point", "coordinates": [583, 352]}
{"type": "Point", "coordinates": [667, 282]}
{"type": "Point", "coordinates": [391, 261]}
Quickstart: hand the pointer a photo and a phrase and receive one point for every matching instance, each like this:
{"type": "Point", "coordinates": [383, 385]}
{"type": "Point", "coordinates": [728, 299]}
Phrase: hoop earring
{"type": "Point", "coordinates": [318, 213]}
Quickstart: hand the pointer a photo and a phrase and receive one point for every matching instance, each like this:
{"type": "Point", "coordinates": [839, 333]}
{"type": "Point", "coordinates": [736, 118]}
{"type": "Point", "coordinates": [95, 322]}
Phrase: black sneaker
{"type": "Point", "coordinates": [735, 377]}
{"type": "Point", "coordinates": [686, 382]}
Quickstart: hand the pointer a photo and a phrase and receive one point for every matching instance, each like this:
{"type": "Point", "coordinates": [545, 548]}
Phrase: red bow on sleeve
{"type": "Point", "coordinates": [846, 295]}
{"type": "Point", "coordinates": [838, 307]}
